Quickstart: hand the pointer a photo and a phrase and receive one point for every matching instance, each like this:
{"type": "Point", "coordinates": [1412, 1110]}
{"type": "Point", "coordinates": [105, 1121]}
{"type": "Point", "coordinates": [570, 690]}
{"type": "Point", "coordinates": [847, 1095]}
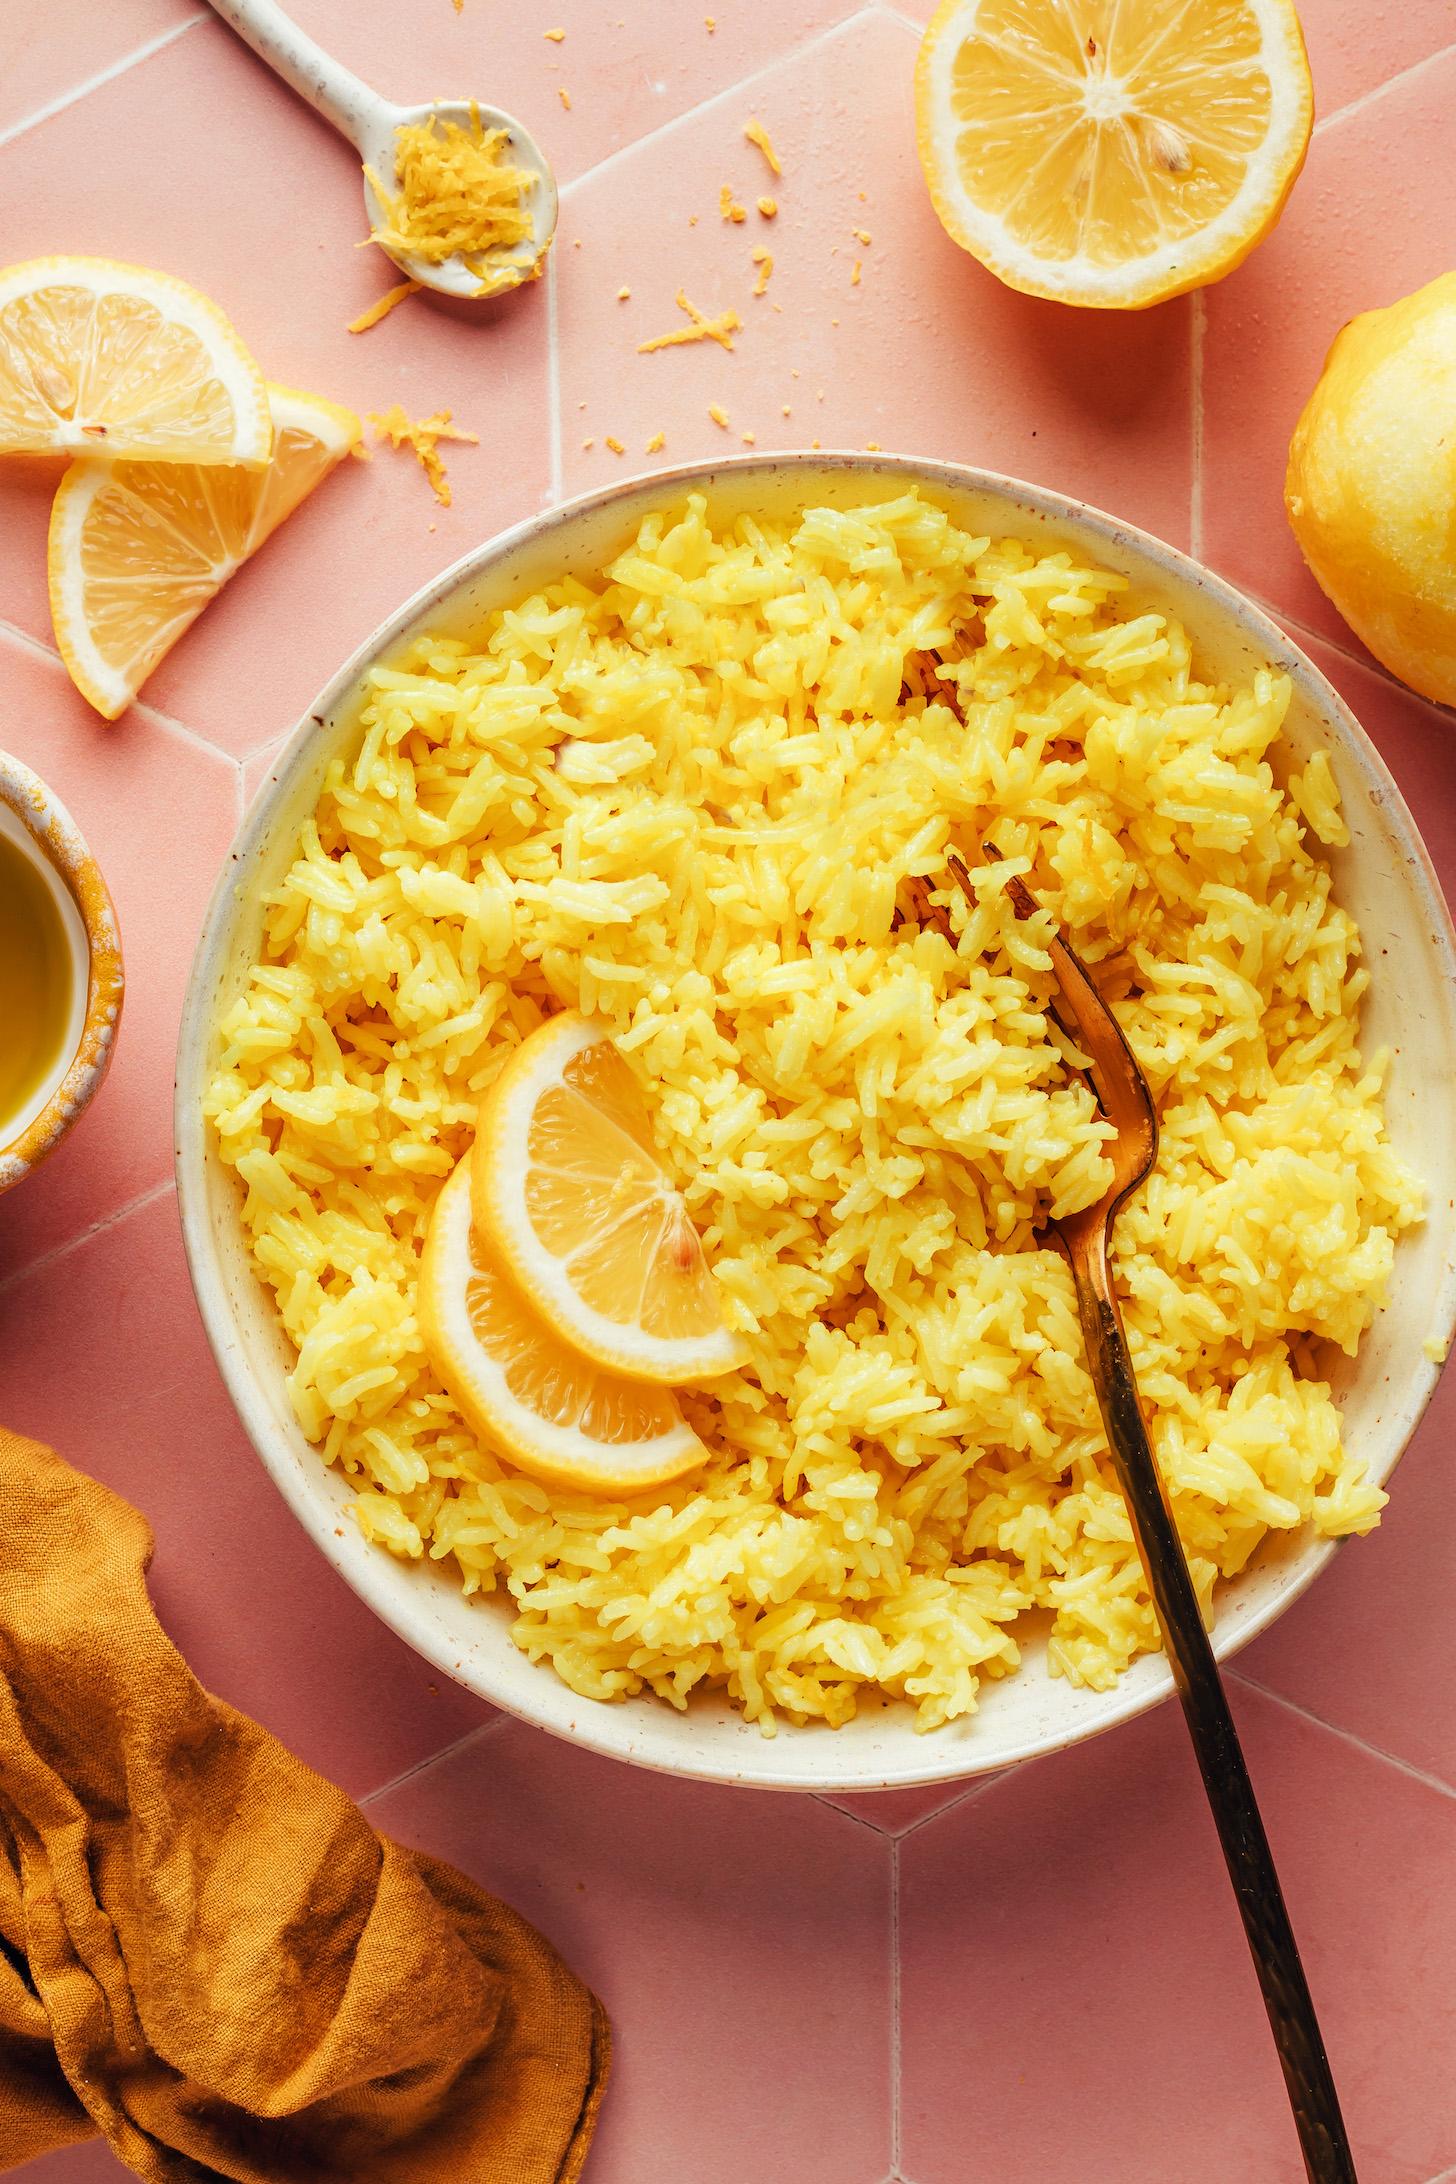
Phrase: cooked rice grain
{"type": "Point", "coordinates": [682, 796]}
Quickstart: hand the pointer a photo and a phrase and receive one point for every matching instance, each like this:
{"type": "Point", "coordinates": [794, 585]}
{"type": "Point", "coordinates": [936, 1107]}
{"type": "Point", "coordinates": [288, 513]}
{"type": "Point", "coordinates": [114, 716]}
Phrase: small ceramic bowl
{"type": "Point", "coordinates": [44, 831]}
{"type": "Point", "coordinates": [1384, 877]}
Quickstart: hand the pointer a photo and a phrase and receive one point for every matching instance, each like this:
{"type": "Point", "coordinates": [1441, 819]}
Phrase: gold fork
{"type": "Point", "coordinates": [1122, 1093]}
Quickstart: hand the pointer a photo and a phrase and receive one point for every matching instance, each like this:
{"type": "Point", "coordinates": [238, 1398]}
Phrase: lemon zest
{"type": "Point", "coordinates": [702, 328]}
{"type": "Point", "coordinates": [381, 308]}
{"type": "Point", "coordinates": [422, 436]}
{"type": "Point", "coordinates": [457, 197]}
{"type": "Point", "coordinates": [756, 133]}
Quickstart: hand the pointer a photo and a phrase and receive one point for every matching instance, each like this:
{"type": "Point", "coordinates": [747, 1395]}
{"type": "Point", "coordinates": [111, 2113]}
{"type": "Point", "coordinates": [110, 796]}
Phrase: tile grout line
{"type": "Point", "coordinates": [1378, 91]}
{"type": "Point", "coordinates": [148, 713]}
{"type": "Point", "coordinates": [103, 76]}
{"type": "Point", "coordinates": [896, 2040]}
{"type": "Point", "coordinates": [1291, 621]}
{"type": "Point", "coordinates": [476, 1735]}
{"type": "Point", "coordinates": [860, 1819]}
{"type": "Point", "coordinates": [555, 427]}
{"type": "Point", "coordinates": [1375, 1752]}
{"type": "Point", "coordinates": [720, 98]}
{"type": "Point", "coordinates": [1198, 324]}
{"type": "Point", "coordinates": [967, 1796]}
{"type": "Point", "coordinates": [897, 15]}
{"type": "Point", "coordinates": [74, 1243]}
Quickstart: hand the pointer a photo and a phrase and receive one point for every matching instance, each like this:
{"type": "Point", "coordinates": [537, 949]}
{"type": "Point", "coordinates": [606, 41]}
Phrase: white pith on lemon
{"type": "Point", "coordinates": [569, 1189]}
{"type": "Point", "coordinates": [97, 357]}
{"type": "Point", "coordinates": [1112, 152]}
{"type": "Point", "coordinates": [138, 549]}
{"type": "Point", "coordinates": [528, 1394]}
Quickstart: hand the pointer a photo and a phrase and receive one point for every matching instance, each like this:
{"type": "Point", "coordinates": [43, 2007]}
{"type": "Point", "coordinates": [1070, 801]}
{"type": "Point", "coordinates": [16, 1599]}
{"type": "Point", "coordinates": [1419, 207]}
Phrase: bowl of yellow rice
{"type": "Point", "coordinates": [663, 756]}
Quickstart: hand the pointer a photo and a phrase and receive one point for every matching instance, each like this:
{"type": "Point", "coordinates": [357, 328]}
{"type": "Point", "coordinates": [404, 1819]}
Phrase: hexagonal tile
{"type": "Point", "coordinates": [259, 1614]}
{"type": "Point", "coordinates": [626, 69]}
{"type": "Point", "coordinates": [265, 215]}
{"type": "Point", "coordinates": [1355, 234]}
{"type": "Point", "coordinates": [1078, 1998]}
{"type": "Point", "coordinates": [740, 1941]}
{"type": "Point", "coordinates": [1352, 49]}
{"type": "Point", "coordinates": [52, 46]}
{"type": "Point", "coordinates": [894, 1812]}
{"type": "Point", "coordinates": [926, 353]}
{"type": "Point", "coordinates": [149, 802]}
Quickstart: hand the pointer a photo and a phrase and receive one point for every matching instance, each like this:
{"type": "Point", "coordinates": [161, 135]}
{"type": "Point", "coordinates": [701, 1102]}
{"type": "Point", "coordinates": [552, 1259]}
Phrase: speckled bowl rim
{"type": "Point", "coordinates": [644, 1731]}
{"type": "Point", "coordinates": [60, 842]}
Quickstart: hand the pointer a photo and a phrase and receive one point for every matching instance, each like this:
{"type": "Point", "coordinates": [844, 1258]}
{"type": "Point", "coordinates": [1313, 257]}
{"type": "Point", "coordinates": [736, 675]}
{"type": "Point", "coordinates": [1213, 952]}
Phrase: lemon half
{"type": "Point", "coordinates": [1112, 152]}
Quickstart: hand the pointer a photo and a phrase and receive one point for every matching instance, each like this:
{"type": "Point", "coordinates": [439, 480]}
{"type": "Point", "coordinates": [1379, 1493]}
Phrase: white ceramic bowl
{"type": "Point", "coordinates": [1384, 877]}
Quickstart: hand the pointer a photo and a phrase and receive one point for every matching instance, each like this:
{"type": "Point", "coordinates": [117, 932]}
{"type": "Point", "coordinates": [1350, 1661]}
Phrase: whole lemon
{"type": "Point", "coordinates": [1371, 485]}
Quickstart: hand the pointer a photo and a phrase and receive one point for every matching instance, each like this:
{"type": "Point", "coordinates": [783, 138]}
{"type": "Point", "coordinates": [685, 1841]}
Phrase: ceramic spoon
{"type": "Point", "coordinates": [369, 122]}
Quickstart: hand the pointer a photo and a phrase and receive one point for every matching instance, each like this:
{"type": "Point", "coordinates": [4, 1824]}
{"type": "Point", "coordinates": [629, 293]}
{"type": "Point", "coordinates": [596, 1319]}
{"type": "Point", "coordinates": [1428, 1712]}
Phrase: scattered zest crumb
{"type": "Point", "coordinates": [586, 444]}
{"type": "Point", "coordinates": [756, 133]}
{"type": "Point", "coordinates": [786, 411]}
{"type": "Point", "coordinates": [658, 441]}
{"type": "Point", "coordinates": [564, 95]}
{"type": "Point", "coordinates": [383, 306]}
{"type": "Point", "coordinates": [813, 443]}
{"type": "Point", "coordinates": [854, 276]}
{"type": "Point", "coordinates": [623, 294]}
{"type": "Point", "coordinates": [768, 206]}
{"type": "Point", "coordinates": [720, 329]}
{"type": "Point", "coordinates": [863, 235]}
{"type": "Point", "coordinates": [555, 36]}
{"type": "Point", "coordinates": [728, 205]}
{"type": "Point", "coordinates": [872, 447]}
{"type": "Point", "coordinates": [614, 444]}
{"type": "Point", "coordinates": [1435, 1349]}
{"type": "Point", "coordinates": [763, 259]}
{"type": "Point", "coordinates": [423, 440]}
{"type": "Point", "coordinates": [749, 439]}
{"type": "Point", "coordinates": [719, 416]}
{"type": "Point", "coordinates": [710, 20]}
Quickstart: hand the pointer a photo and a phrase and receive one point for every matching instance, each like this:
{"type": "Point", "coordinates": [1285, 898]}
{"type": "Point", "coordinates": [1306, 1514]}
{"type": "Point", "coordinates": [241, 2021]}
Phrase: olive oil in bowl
{"type": "Point", "coordinates": [43, 954]}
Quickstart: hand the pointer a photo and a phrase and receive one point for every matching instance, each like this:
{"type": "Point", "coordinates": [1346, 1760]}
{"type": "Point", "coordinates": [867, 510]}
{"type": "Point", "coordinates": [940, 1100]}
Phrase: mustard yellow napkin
{"type": "Point", "coordinates": [206, 1952]}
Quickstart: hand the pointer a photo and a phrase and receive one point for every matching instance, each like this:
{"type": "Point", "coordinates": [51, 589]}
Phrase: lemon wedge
{"type": "Point", "coordinates": [529, 1395]}
{"type": "Point", "coordinates": [570, 1191]}
{"type": "Point", "coordinates": [1112, 152]}
{"type": "Point", "coordinates": [137, 549]}
{"type": "Point", "coordinates": [102, 358]}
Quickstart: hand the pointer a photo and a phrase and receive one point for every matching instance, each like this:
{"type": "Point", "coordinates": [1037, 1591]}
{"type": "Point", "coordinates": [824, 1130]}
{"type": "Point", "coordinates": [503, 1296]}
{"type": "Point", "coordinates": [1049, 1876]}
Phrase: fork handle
{"type": "Point", "coordinates": [1307, 2076]}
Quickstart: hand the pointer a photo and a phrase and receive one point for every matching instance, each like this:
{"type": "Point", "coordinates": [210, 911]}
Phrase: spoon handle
{"type": "Point", "coordinates": [329, 88]}
{"type": "Point", "coordinates": [1307, 2076]}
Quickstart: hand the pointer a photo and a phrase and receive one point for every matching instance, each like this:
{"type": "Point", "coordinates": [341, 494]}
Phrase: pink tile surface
{"type": "Point", "coordinates": [1077, 2000]}
{"type": "Point", "coordinates": [627, 69]}
{"type": "Point", "coordinates": [47, 52]}
{"type": "Point", "coordinates": [149, 801]}
{"type": "Point", "coordinates": [104, 1358]}
{"type": "Point", "coordinates": [946, 363]}
{"type": "Point", "coordinates": [1074, 1998]}
{"type": "Point", "coordinates": [726, 1931]}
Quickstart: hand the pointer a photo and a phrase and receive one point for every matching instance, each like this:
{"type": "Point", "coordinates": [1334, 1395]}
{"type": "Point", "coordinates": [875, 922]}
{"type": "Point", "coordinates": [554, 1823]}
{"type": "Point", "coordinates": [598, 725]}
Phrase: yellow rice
{"type": "Point", "coordinates": [682, 795]}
